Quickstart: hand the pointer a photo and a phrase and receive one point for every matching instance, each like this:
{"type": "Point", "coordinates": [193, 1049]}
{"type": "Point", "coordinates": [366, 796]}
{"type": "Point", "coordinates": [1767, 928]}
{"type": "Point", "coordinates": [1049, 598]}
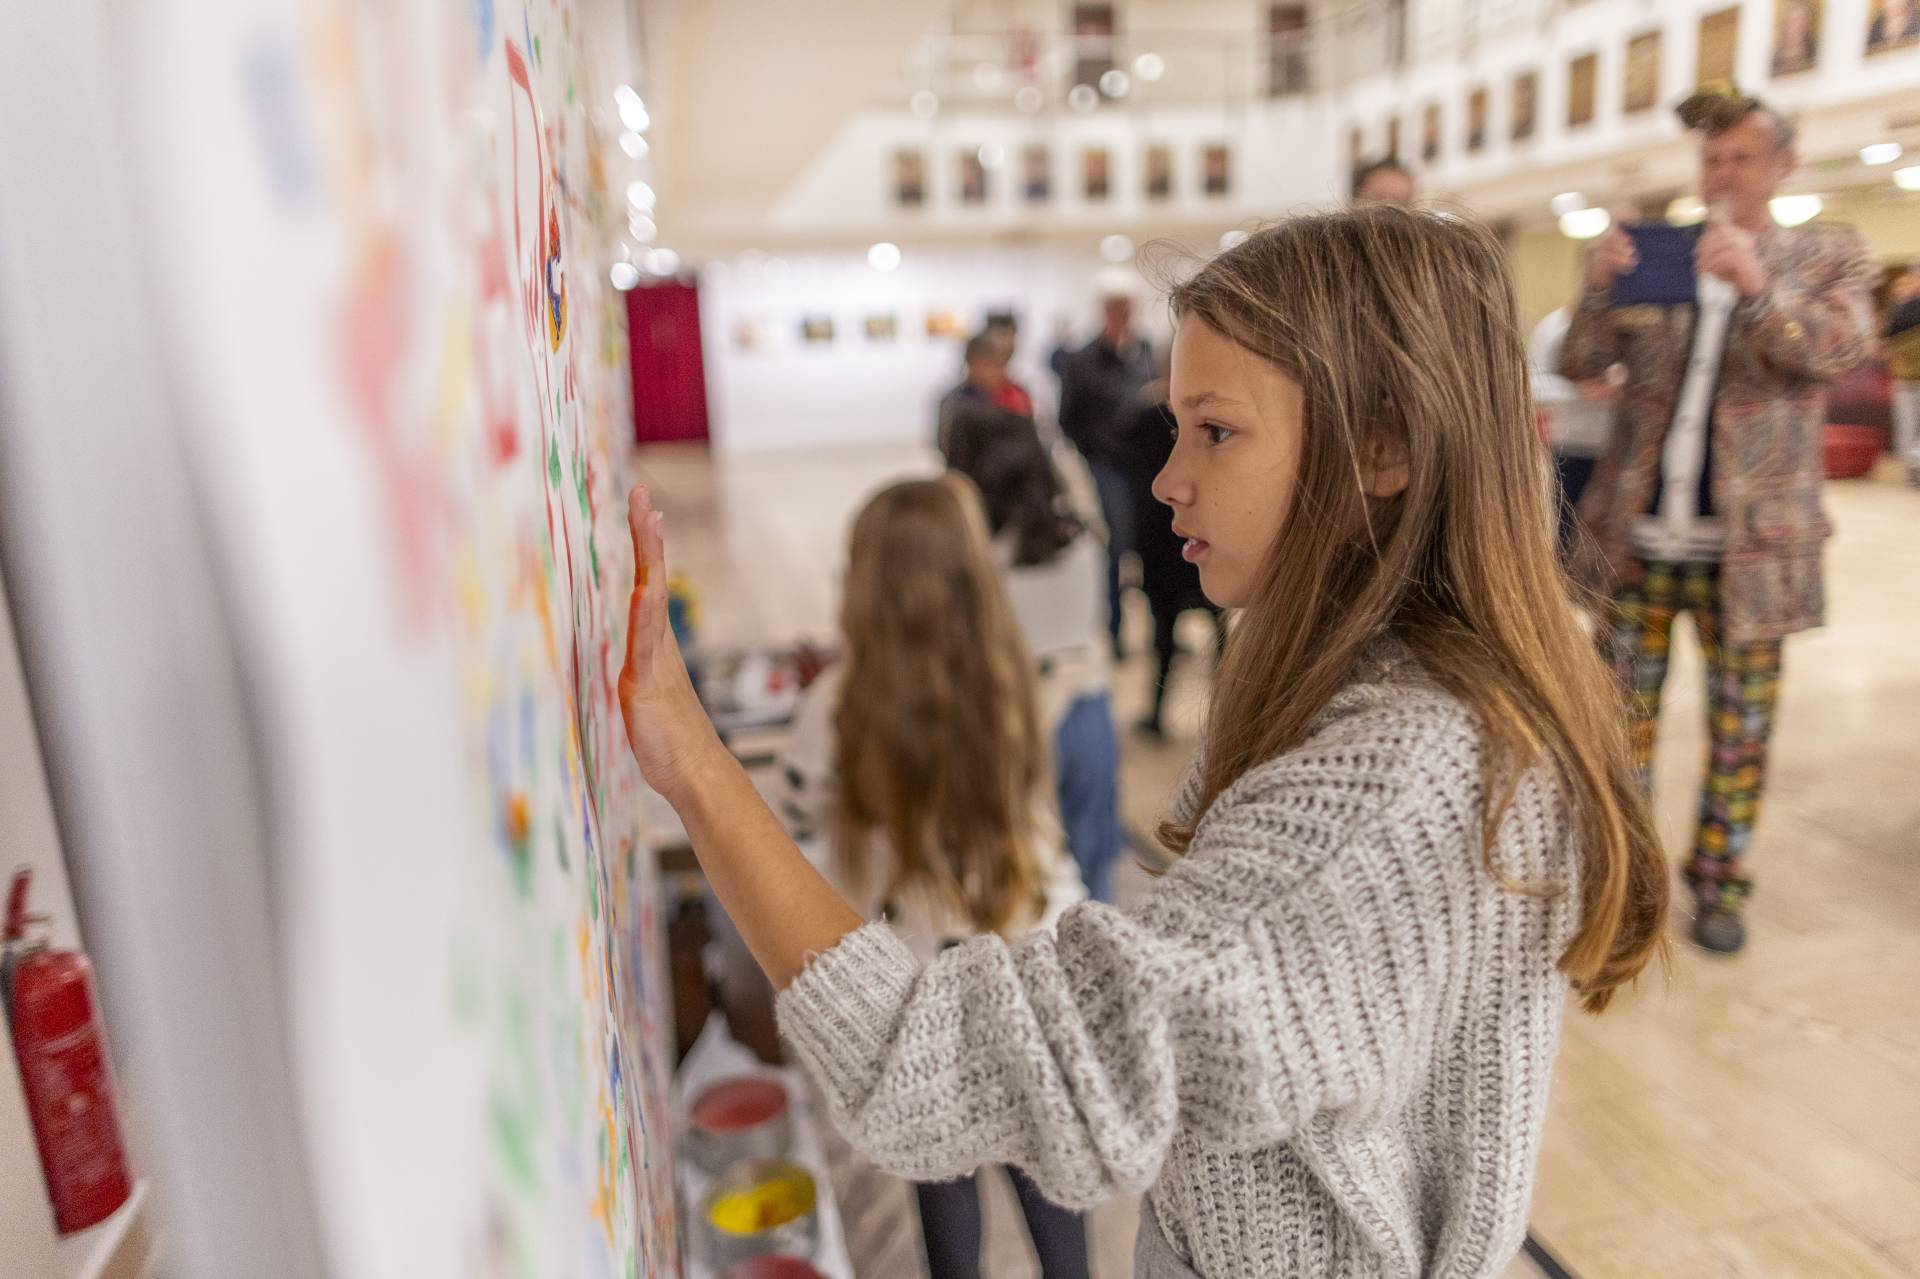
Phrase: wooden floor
{"type": "Point", "coordinates": [1753, 1116]}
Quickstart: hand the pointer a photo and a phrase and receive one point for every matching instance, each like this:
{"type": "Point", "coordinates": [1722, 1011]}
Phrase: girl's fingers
{"type": "Point", "coordinates": [649, 562]}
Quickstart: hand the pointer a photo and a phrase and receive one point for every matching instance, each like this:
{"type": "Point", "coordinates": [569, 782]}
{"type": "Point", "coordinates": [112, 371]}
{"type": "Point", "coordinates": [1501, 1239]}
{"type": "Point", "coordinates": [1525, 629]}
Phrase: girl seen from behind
{"type": "Point", "coordinates": [916, 775]}
{"type": "Point", "coordinates": [1321, 1044]}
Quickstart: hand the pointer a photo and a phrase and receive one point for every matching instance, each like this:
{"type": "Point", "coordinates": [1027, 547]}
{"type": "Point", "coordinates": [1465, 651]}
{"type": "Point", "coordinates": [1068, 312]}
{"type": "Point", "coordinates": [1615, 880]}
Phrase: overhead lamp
{"type": "Point", "coordinates": [924, 104]}
{"type": "Point", "coordinates": [1585, 224]}
{"type": "Point", "coordinates": [1907, 179]}
{"type": "Point", "coordinates": [1686, 210]}
{"type": "Point", "coordinates": [633, 114]}
{"type": "Point", "coordinates": [640, 196]}
{"type": "Point", "coordinates": [1029, 99]}
{"type": "Point", "coordinates": [1083, 97]}
{"type": "Point", "coordinates": [1792, 210]}
{"type": "Point", "coordinates": [1115, 83]}
{"type": "Point", "coordinates": [1149, 66]}
{"type": "Point", "coordinates": [1567, 202]}
{"type": "Point", "coordinates": [1233, 239]}
{"type": "Point", "coordinates": [1116, 249]}
{"type": "Point", "coordinates": [883, 256]}
{"type": "Point", "coordinates": [1881, 153]}
{"type": "Point", "coordinates": [633, 144]}
{"type": "Point", "coordinates": [624, 275]}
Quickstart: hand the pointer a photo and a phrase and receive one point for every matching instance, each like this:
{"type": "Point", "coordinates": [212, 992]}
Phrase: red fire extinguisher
{"type": "Point", "coordinates": [63, 1068]}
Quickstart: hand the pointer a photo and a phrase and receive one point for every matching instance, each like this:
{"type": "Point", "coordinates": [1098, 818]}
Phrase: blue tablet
{"type": "Point", "coordinates": [1665, 274]}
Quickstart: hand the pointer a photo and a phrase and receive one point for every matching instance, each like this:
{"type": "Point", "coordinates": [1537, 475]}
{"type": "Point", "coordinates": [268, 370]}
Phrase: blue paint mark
{"type": "Point", "coordinates": [483, 28]}
{"type": "Point", "coordinates": [271, 73]}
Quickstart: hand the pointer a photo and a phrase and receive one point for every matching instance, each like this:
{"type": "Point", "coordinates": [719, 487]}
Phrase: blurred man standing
{"type": "Point", "coordinates": [1903, 353]}
{"type": "Point", "coordinates": [1101, 388]}
{"type": "Point", "coordinates": [1707, 499]}
{"type": "Point", "coordinates": [1383, 182]}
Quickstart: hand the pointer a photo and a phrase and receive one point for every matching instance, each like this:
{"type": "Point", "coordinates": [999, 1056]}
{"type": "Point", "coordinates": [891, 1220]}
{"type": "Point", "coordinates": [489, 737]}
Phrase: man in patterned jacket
{"type": "Point", "coordinates": [1707, 498]}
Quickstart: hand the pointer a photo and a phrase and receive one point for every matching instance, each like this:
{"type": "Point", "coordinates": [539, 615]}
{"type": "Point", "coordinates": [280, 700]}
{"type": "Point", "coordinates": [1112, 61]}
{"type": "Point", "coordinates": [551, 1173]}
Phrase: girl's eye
{"type": "Point", "coordinates": [1215, 434]}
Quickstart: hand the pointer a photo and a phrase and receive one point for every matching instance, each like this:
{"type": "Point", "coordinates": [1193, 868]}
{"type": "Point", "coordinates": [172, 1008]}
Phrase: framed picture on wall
{"type": "Point", "coordinates": [1430, 133]}
{"type": "Point", "coordinates": [816, 330]}
{"type": "Point", "coordinates": [1719, 38]}
{"type": "Point", "coordinates": [1036, 174]}
{"type": "Point", "coordinates": [1095, 173]}
{"type": "Point", "coordinates": [1093, 29]}
{"type": "Point", "coordinates": [1796, 36]}
{"type": "Point", "coordinates": [1159, 171]}
{"type": "Point", "coordinates": [1642, 87]}
{"type": "Point", "coordinates": [909, 178]}
{"type": "Point", "coordinates": [972, 175]}
{"type": "Point", "coordinates": [882, 326]}
{"type": "Point", "coordinates": [1892, 24]}
{"type": "Point", "coordinates": [1526, 105]}
{"type": "Point", "coordinates": [751, 333]}
{"type": "Point", "coordinates": [1477, 119]}
{"type": "Point", "coordinates": [944, 322]}
{"type": "Point", "coordinates": [1583, 82]}
{"type": "Point", "coordinates": [1216, 169]}
{"type": "Point", "coordinates": [1287, 37]}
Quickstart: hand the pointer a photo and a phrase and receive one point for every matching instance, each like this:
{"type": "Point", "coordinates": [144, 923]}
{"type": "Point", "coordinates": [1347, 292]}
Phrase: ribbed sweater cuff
{"type": "Point", "coordinates": [840, 1013]}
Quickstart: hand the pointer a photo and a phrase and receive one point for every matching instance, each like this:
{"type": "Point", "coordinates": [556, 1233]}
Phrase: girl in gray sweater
{"type": "Point", "coordinates": [1321, 1045]}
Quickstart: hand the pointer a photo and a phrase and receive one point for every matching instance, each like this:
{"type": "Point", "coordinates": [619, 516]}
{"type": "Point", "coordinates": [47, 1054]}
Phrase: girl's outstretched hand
{"type": "Point", "coordinates": [671, 736]}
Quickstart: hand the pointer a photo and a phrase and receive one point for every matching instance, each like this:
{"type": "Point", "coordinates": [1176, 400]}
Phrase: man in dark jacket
{"type": "Point", "coordinates": [1100, 399]}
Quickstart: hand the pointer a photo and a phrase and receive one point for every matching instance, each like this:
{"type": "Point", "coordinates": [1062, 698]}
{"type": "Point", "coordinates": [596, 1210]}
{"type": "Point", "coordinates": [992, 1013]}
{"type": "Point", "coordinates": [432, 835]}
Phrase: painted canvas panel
{"type": "Point", "coordinates": [382, 233]}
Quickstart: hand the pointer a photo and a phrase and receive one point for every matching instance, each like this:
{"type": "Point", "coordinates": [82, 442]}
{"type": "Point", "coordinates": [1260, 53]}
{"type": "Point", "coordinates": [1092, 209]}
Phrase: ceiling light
{"type": "Point", "coordinates": [633, 144]}
{"type": "Point", "coordinates": [642, 228]}
{"type": "Point", "coordinates": [1149, 66]}
{"type": "Point", "coordinates": [1117, 249]}
{"type": "Point", "coordinates": [633, 114]}
{"type": "Point", "coordinates": [1907, 179]}
{"type": "Point", "coordinates": [1792, 210]}
{"type": "Point", "coordinates": [625, 94]}
{"type": "Point", "coordinates": [1233, 239]}
{"type": "Point", "coordinates": [1029, 99]}
{"type": "Point", "coordinates": [1115, 83]}
{"type": "Point", "coordinates": [1585, 224]}
{"type": "Point", "coordinates": [662, 261]}
{"type": "Point", "coordinates": [883, 256]}
{"type": "Point", "coordinates": [624, 275]}
{"type": "Point", "coordinates": [924, 104]}
{"type": "Point", "coordinates": [1881, 153]}
{"type": "Point", "coordinates": [640, 196]}
{"type": "Point", "coordinates": [992, 155]}
{"type": "Point", "coordinates": [1083, 97]}
{"type": "Point", "coordinates": [1567, 202]}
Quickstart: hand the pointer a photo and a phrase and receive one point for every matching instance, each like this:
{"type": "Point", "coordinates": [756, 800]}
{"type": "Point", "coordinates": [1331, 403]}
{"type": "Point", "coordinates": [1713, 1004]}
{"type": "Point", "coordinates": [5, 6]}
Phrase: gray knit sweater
{"type": "Point", "coordinates": [1321, 1045]}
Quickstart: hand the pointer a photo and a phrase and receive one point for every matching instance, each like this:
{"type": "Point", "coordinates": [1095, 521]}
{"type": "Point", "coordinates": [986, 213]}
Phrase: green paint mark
{"type": "Point", "coordinates": [593, 558]}
{"type": "Point", "coordinates": [580, 489]}
{"type": "Point", "coordinates": [536, 50]}
{"type": "Point", "coordinates": [522, 873]}
{"type": "Point", "coordinates": [593, 897]}
{"type": "Point", "coordinates": [569, 93]}
{"type": "Point", "coordinates": [553, 463]}
{"type": "Point", "coordinates": [513, 1141]}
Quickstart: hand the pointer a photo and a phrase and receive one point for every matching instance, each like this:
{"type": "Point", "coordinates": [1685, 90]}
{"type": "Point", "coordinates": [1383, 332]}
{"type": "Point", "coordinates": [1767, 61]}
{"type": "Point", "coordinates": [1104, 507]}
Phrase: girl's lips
{"type": "Point", "coordinates": [1193, 550]}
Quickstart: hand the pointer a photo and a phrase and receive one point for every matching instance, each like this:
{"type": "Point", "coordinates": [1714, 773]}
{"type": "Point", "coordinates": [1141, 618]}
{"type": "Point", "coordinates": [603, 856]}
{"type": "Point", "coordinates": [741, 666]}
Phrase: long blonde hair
{"type": "Point", "coordinates": [1401, 329]}
{"type": "Point", "coordinates": [939, 743]}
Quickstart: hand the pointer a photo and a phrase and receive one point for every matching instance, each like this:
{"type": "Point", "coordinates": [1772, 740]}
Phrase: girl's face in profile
{"type": "Point", "coordinates": [1236, 458]}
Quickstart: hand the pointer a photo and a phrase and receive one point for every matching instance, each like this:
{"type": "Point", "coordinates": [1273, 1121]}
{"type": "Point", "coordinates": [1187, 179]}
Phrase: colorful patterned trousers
{"type": "Point", "coordinates": [1743, 681]}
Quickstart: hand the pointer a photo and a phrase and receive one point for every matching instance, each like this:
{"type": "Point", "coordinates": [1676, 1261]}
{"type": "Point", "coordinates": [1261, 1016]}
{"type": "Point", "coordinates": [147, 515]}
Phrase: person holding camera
{"type": "Point", "coordinates": [1707, 499]}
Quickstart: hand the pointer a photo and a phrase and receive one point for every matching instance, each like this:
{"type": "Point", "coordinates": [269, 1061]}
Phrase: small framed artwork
{"type": "Point", "coordinates": [1287, 46]}
{"type": "Point", "coordinates": [1216, 169]}
{"type": "Point", "coordinates": [1477, 119]}
{"type": "Point", "coordinates": [1093, 29]}
{"type": "Point", "coordinates": [1719, 40]}
{"type": "Point", "coordinates": [1095, 176]}
{"type": "Point", "coordinates": [1642, 87]}
{"type": "Point", "coordinates": [1892, 24]}
{"type": "Point", "coordinates": [750, 333]}
{"type": "Point", "coordinates": [1430, 133]}
{"type": "Point", "coordinates": [1583, 83]}
{"type": "Point", "coordinates": [816, 330]}
{"type": "Point", "coordinates": [1796, 36]}
{"type": "Point", "coordinates": [883, 326]}
{"type": "Point", "coordinates": [944, 322]}
{"type": "Point", "coordinates": [1526, 105]}
{"type": "Point", "coordinates": [972, 175]}
{"type": "Point", "coordinates": [909, 178]}
{"type": "Point", "coordinates": [1036, 174]}
{"type": "Point", "coordinates": [1159, 171]}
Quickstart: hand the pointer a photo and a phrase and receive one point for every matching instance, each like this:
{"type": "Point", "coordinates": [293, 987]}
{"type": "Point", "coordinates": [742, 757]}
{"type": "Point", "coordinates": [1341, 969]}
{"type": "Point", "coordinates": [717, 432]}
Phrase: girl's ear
{"type": "Point", "coordinates": [1385, 470]}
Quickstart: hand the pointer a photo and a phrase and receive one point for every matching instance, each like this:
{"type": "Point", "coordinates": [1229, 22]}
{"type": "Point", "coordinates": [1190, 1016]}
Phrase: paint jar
{"type": "Point", "coordinates": [773, 1267]}
{"type": "Point", "coordinates": [757, 1208]}
{"type": "Point", "coordinates": [740, 1118]}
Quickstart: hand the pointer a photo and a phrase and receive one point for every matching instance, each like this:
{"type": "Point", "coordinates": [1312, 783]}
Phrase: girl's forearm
{"type": "Point", "coordinates": [783, 907]}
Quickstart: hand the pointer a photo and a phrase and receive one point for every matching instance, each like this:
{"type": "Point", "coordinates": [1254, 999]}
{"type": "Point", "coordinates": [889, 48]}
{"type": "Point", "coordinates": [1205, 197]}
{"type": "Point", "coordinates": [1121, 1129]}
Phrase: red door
{"type": "Point", "coordinates": [669, 377]}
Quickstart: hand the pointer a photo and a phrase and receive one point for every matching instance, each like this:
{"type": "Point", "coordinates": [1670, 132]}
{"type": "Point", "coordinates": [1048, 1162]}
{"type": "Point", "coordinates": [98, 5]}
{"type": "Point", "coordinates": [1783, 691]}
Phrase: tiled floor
{"type": "Point", "coordinates": [1750, 1117]}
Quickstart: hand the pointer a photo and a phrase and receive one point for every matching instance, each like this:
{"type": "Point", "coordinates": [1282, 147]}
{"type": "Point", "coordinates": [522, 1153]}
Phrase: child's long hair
{"type": "Point", "coordinates": [940, 749]}
{"type": "Point", "coordinates": [1401, 329]}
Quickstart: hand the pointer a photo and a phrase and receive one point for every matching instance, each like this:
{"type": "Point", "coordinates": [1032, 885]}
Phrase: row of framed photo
{"type": "Point", "coordinates": [1892, 24]}
{"type": "Point", "coordinates": [973, 178]}
{"type": "Point", "coordinates": [755, 334]}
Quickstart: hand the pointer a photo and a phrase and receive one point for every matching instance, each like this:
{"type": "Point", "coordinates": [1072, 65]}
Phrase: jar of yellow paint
{"type": "Point", "coordinates": [758, 1207]}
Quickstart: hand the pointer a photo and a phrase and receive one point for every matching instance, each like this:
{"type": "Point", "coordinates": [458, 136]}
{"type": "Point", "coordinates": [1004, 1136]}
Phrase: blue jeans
{"type": "Point", "coordinates": [1086, 766]}
{"type": "Point", "coordinates": [1116, 508]}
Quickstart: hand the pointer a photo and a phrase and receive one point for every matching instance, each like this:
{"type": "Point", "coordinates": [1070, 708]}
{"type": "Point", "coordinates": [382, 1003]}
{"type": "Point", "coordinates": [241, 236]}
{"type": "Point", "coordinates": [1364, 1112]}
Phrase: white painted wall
{"type": "Point", "coordinates": [791, 395]}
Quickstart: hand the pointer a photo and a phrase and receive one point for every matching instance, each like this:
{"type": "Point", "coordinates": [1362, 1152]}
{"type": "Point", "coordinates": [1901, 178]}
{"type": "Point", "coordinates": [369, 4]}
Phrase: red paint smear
{"type": "Point", "coordinates": [738, 1104]}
